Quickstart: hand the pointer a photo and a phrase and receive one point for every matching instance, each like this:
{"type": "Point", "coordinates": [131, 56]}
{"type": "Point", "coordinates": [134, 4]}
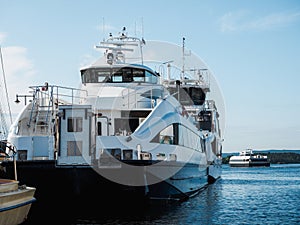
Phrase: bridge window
{"type": "Point", "coordinates": [124, 75]}
{"type": "Point", "coordinates": [150, 77]}
{"type": "Point", "coordinates": [116, 78]}
{"type": "Point", "coordinates": [138, 75]}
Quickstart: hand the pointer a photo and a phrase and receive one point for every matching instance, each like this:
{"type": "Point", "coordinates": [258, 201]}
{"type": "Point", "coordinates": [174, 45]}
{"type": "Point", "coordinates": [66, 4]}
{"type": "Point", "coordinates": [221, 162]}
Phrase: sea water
{"type": "Point", "coordinates": [257, 195]}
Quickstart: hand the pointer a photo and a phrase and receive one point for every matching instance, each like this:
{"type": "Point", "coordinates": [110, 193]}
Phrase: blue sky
{"type": "Point", "coordinates": [252, 48]}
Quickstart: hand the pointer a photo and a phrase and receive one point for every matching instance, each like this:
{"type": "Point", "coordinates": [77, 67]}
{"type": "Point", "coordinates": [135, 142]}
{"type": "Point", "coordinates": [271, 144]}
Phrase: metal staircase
{"type": "Point", "coordinates": [45, 105]}
{"type": "Point", "coordinates": [41, 110]}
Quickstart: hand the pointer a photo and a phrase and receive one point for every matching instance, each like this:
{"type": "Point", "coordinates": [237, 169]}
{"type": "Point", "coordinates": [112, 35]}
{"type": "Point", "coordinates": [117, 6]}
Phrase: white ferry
{"type": "Point", "coordinates": [141, 126]}
{"type": "Point", "coordinates": [247, 158]}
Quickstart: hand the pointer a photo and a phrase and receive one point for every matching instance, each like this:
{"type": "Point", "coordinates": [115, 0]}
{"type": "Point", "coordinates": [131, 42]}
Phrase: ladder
{"type": "Point", "coordinates": [41, 111]}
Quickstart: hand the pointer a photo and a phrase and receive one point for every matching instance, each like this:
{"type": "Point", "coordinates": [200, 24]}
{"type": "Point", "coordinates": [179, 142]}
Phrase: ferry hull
{"type": "Point", "coordinates": [250, 164]}
{"type": "Point", "coordinates": [215, 171]}
{"type": "Point", "coordinates": [259, 162]}
{"type": "Point", "coordinates": [76, 188]}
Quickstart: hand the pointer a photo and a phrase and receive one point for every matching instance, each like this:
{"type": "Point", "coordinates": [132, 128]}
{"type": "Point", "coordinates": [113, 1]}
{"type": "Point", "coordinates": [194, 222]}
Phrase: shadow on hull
{"type": "Point", "coordinates": [80, 192]}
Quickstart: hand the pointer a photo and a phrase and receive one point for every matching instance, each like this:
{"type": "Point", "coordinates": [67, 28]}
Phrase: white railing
{"type": "Point", "coordinates": [46, 98]}
{"type": "Point", "coordinates": [133, 96]}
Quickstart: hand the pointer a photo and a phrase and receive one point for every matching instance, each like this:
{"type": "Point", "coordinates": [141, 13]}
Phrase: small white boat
{"type": "Point", "coordinates": [15, 202]}
{"type": "Point", "coordinates": [249, 159]}
{"type": "Point", "coordinates": [15, 199]}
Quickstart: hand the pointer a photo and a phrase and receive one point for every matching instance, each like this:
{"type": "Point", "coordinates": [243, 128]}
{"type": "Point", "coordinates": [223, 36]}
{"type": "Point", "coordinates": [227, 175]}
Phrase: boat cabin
{"type": "Point", "coordinates": [247, 152]}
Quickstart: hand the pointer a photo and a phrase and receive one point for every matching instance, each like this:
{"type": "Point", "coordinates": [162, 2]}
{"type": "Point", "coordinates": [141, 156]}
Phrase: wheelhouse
{"type": "Point", "coordinates": [125, 74]}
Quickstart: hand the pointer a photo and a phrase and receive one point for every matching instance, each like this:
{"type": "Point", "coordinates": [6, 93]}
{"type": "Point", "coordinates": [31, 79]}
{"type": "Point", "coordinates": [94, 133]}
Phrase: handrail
{"type": "Point", "coordinates": [41, 92]}
{"type": "Point", "coordinates": [133, 95]}
{"type": "Point", "coordinates": [32, 107]}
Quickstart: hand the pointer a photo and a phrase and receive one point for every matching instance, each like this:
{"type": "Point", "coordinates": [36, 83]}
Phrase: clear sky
{"type": "Point", "coordinates": [251, 46]}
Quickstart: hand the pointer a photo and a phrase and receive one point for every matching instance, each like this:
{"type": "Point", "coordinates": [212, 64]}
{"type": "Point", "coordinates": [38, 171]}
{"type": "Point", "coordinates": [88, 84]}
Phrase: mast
{"type": "Point", "coordinates": [183, 58]}
{"type": "Point", "coordinates": [116, 46]}
{"type": "Point", "coordinates": [4, 128]}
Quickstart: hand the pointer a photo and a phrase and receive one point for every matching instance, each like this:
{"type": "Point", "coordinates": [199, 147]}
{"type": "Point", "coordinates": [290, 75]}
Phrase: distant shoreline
{"type": "Point", "coordinates": [275, 158]}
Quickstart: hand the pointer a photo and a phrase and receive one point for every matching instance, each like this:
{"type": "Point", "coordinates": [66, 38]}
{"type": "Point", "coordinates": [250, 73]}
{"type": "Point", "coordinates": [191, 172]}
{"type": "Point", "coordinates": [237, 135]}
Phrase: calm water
{"type": "Point", "coordinates": [242, 196]}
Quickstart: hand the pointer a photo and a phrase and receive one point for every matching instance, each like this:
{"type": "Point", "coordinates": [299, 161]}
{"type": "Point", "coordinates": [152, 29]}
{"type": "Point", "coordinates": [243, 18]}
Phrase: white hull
{"type": "Point", "coordinates": [215, 170]}
{"type": "Point", "coordinates": [250, 163]}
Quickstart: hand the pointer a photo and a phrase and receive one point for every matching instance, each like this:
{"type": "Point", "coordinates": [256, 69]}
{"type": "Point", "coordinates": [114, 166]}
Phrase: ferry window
{"type": "Point", "coordinates": [151, 78]}
{"type": "Point", "coordinates": [22, 154]}
{"type": "Point", "coordinates": [188, 138]}
{"type": "Point", "coordinates": [138, 75]}
{"type": "Point", "coordinates": [74, 148]}
{"type": "Point", "coordinates": [127, 75]}
{"type": "Point", "coordinates": [117, 78]}
{"type": "Point", "coordinates": [75, 124]}
{"type": "Point", "coordinates": [166, 136]}
{"type": "Point", "coordinates": [102, 76]}
{"type": "Point", "coordinates": [89, 76]}
{"type": "Point", "coordinates": [138, 79]}
{"type": "Point", "coordinates": [205, 120]}
{"type": "Point", "coordinates": [125, 126]}
{"type": "Point", "coordinates": [95, 76]}
{"type": "Point", "coordinates": [99, 128]}
{"type": "Point", "coordinates": [197, 95]}
{"type": "Point", "coordinates": [84, 76]}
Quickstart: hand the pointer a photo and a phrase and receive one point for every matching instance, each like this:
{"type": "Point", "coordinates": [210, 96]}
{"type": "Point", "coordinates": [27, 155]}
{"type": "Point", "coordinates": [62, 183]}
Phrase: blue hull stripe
{"type": "Point", "coordinates": [18, 205]}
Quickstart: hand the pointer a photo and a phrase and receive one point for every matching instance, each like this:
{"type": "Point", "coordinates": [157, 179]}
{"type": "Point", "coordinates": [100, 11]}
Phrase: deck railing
{"type": "Point", "coordinates": [46, 99]}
